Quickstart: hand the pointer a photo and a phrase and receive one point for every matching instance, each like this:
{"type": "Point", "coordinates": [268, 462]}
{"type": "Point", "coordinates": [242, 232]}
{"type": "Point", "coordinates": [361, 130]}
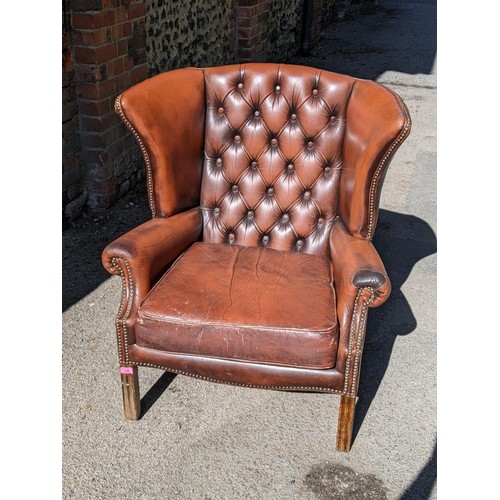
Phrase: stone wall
{"type": "Point", "coordinates": [329, 14]}
{"type": "Point", "coordinates": [184, 33]}
{"type": "Point", "coordinates": [284, 29]}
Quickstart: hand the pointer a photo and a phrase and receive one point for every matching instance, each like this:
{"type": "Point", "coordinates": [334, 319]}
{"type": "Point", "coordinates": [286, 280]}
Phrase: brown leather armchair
{"type": "Point", "coordinates": [257, 268]}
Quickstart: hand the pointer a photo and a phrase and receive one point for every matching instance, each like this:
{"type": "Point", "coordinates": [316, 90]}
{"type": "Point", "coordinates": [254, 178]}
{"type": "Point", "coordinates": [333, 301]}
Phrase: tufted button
{"type": "Point", "coordinates": [230, 237]}
{"type": "Point", "coordinates": [285, 218]}
{"type": "Point", "coordinates": [293, 117]}
{"type": "Point", "coordinates": [270, 190]}
{"type": "Point", "coordinates": [240, 86]}
{"type": "Point", "coordinates": [256, 113]}
{"type": "Point", "coordinates": [274, 141]}
{"type": "Point", "coordinates": [278, 88]}
{"type": "Point", "coordinates": [320, 221]}
{"type": "Point", "coordinates": [315, 92]}
{"type": "Point", "coordinates": [216, 210]}
{"type": "Point", "coordinates": [237, 138]}
{"type": "Point", "coordinates": [299, 243]}
{"type": "Point", "coordinates": [310, 144]}
{"type": "Point", "coordinates": [218, 161]}
{"type": "Point", "coordinates": [332, 118]}
{"type": "Point", "coordinates": [234, 189]}
{"type": "Point", "coordinates": [265, 239]}
{"type": "Point", "coordinates": [307, 194]}
{"type": "Point", "coordinates": [250, 214]}
{"type": "Point", "coordinates": [289, 167]}
{"type": "Point", "coordinates": [327, 170]}
{"type": "Point", "coordinates": [254, 165]}
{"type": "Point", "coordinates": [220, 111]}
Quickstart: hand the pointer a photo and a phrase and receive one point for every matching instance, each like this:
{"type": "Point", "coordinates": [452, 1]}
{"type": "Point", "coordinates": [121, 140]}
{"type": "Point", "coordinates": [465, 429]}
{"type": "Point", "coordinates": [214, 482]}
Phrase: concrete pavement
{"type": "Point", "coordinates": [198, 440]}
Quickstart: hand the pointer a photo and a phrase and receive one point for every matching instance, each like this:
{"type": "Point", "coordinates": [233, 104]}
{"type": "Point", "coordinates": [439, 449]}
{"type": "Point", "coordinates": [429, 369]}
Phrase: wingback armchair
{"type": "Point", "coordinates": [257, 267]}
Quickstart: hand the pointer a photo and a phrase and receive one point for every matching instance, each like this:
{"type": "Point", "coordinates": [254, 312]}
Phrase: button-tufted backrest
{"type": "Point", "coordinates": [273, 155]}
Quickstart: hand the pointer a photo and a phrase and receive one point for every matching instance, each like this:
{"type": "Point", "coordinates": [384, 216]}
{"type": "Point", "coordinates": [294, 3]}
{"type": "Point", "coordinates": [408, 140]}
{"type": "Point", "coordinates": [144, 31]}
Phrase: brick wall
{"type": "Point", "coordinates": [73, 180]}
{"type": "Point", "coordinates": [311, 28]}
{"type": "Point", "coordinates": [251, 30]}
{"type": "Point", "coordinates": [109, 47]}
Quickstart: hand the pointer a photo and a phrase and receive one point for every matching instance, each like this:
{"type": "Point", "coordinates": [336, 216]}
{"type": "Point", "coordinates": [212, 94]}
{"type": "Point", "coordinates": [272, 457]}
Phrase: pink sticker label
{"type": "Point", "coordinates": [126, 370]}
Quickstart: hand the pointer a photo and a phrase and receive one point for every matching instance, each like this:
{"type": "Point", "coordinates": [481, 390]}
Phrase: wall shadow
{"type": "Point", "coordinates": [83, 243]}
{"type": "Point", "coordinates": [373, 39]}
{"type": "Point", "coordinates": [401, 240]}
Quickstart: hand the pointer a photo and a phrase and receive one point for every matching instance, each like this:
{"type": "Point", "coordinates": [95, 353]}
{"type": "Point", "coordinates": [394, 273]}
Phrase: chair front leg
{"type": "Point", "coordinates": [364, 299]}
{"type": "Point", "coordinates": [345, 422]}
{"type": "Point", "coordinates": [130, 389]}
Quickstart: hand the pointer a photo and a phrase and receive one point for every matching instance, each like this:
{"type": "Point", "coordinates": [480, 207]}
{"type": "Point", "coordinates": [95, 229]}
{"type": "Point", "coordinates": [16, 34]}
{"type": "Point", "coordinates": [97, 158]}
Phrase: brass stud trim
{"type": "Point", "coordinates": [209, 379]}
{"type": "Point", "coordinates": [144, 152]}
{"type": "Point", "coordinates": [123, 314]}
{"type": "Point", "coordinates": [399, 139]}
{"type": "Point", "coordinates": [355, 340]}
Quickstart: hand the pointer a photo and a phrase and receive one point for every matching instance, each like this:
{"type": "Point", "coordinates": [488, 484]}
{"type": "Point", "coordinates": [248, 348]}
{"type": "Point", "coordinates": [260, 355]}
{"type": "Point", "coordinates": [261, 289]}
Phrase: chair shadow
{"type": "Point", "coordinates": [401, 240]}
{"type": "Point", "coordinates": [422, 485]}
{"type": "Point", "coordinates": [156, 391]}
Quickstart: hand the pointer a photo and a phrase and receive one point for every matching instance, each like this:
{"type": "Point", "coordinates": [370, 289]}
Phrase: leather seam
{"type": "Point", "coordinates": [180, 321]}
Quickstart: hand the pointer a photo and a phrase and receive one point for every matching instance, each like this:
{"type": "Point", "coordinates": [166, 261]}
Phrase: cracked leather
{"type": "Point", "coordinates": [238, 305]}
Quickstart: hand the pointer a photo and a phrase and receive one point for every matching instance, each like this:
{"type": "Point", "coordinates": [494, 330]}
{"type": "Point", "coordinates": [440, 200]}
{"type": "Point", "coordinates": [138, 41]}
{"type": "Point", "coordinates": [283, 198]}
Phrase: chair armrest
{"type": "Point", "coordinates": [146, 250]}
{"type": "Point", "coordinates": [356, 264]}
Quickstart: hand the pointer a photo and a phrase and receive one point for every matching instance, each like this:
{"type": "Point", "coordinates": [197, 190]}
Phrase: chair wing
{"type": "Point", "coordinates": [166, 115]}
{"type": "Point", "coordinates": [378, 122]}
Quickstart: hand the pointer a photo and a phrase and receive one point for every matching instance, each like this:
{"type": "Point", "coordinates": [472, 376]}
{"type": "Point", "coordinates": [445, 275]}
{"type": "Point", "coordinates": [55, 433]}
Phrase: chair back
{"type": "Point", "coordinates": [273, 155]}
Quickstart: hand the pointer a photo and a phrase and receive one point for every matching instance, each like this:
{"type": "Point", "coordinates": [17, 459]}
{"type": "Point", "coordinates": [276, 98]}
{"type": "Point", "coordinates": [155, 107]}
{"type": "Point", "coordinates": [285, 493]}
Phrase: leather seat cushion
{"type": "Point", "coordinates": [245, 303]}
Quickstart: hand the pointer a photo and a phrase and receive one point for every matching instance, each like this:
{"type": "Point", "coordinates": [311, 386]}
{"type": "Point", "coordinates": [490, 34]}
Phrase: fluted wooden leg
{"type": "Point", "coordinates": [345, 423]}
{"type": "Point", "coordinates": [130, 388]}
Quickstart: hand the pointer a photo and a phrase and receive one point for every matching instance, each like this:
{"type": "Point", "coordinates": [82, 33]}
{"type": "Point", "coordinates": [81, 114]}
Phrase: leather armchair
{"type": "Point", "coordinates": [257, 268]}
